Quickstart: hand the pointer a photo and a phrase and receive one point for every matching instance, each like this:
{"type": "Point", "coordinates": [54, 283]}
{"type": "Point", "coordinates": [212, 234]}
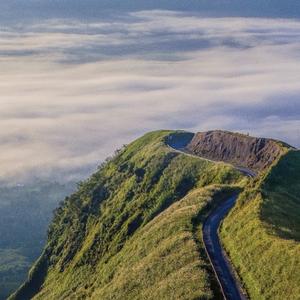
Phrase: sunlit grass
{"type": "Point", "coordinates": [262, 233]}
{"type": "Point", "coordinates": [132, 230]}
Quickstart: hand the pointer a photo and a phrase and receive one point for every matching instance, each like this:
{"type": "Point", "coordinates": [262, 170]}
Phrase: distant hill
{"type": "Point", "coordinates": [25, 214]}
{"type": "Point", "coordinates": [133, 229]}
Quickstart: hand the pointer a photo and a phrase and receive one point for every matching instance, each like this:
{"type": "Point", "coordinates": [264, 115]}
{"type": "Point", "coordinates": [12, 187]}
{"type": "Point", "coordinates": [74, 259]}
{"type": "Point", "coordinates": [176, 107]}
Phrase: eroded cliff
{"type": "Point", "coordinates": [241, 150]}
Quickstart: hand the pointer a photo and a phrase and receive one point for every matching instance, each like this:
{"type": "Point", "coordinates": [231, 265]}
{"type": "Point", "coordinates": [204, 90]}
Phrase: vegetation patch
{"type": "Point", "coordinates": [261, 234]}
{"type": "Point", "coordinates": [131, 231]}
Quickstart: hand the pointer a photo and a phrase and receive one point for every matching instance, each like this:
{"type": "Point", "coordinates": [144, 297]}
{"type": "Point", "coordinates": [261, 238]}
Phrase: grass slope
{"type": "Point", "coordinates": [262, 233]}
{"type": "Point", "coordinates": [131, 231]}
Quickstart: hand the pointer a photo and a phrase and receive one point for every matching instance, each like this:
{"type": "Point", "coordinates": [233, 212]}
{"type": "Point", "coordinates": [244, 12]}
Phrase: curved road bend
{"type": "Point", "coordinates": [243, 170]}
{"type": "Point", "coordinates": [230, 286]}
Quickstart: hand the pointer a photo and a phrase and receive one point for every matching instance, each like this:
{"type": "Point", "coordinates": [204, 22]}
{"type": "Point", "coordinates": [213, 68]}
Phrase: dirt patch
{"type": "Point", "coordinates": [241, 150]}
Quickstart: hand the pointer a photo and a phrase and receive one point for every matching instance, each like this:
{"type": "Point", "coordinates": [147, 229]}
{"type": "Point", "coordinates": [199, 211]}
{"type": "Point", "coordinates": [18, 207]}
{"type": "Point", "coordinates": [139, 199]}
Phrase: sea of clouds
{"type": "Point", "coordinates": [72, 91]}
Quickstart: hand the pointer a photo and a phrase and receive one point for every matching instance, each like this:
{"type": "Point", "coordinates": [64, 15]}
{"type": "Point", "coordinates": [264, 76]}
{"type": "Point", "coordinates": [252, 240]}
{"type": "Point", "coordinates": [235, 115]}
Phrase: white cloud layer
{"type": "Point", "coordinates": [72, 92]}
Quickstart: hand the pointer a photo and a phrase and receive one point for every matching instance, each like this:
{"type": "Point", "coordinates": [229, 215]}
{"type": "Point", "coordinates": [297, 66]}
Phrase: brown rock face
{"type": "Point", "coordinates": [241, 150]}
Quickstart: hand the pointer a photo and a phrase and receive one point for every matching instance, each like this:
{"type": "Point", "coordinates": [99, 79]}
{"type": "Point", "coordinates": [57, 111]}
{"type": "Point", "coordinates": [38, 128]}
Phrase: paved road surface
{"type": "Point", "coordinates": [229, 284]}
{"type": "Point", "coordinates": [243, 170]}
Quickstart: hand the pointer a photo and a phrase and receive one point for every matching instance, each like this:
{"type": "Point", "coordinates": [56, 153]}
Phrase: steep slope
{"type": "Point", "coordinates": [262, 236]}
{"type": "Point", "coordinates": [133, 228]}
{"type": "Point", "coordinates": [256, 154]}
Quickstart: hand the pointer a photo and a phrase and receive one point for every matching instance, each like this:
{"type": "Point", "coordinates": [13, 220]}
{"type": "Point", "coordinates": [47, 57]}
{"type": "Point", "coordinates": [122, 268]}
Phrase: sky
{"type": "Point", "coordinates": [75, 83]}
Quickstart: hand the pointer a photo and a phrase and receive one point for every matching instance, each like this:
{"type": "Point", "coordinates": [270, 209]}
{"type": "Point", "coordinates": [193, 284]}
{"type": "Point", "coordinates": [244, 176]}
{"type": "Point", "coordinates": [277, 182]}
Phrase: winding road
{"type": "Point", "coordinates": [230, 285]}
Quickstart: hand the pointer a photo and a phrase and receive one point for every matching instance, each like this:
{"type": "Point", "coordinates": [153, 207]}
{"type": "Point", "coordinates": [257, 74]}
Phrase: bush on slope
{"type": "Point", "coordinates": [104, 227]}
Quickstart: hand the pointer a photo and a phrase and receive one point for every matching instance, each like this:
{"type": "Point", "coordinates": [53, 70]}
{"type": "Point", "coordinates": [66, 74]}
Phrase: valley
{"type": "Point", "coordinates": [25, 214]}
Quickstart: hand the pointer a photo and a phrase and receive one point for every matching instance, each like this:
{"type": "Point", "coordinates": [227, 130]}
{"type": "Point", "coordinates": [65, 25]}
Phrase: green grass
{"type": "Point", "coordinates": [129, 232]}
{"type": "Point", "coordinates": [133, 229]}
{"type": "Point", "coordinates": [160, 260]}
{"type": "Point", "coordinates": [281, 191]}
{"type": "Point", "coordinates": [261, 234]}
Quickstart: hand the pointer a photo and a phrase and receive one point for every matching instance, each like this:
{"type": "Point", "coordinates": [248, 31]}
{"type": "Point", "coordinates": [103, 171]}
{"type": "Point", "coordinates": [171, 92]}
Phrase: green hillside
{"type": "Point", "coordinates": [262, 233]}
{"type": "Point", "coordinates": [133, 229]}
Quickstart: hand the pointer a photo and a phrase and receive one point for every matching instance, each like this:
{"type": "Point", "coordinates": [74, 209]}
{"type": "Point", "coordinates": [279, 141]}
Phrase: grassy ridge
{"type": "Point", "coordinates": [136, 213]}
{"type": "Point", "coordinates": [160, 260]}
{"type": "Point", "coordinates": [133, 229]}
{"type": "Point", "coordinates": [261, 234]}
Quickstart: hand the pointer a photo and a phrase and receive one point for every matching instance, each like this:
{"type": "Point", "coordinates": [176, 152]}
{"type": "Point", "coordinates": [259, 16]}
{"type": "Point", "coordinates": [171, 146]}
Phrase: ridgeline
{"type": "Point", "coordinates": [133, 230]}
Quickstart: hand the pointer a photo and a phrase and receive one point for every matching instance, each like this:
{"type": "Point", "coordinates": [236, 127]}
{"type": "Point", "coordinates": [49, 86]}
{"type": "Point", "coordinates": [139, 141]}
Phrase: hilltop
{"type": "Point", "coordinates": [133, 230]}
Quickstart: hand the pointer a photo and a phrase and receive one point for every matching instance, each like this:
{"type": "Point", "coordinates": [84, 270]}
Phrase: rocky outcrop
{"type": "Point", "coordinates": [241, 150]}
